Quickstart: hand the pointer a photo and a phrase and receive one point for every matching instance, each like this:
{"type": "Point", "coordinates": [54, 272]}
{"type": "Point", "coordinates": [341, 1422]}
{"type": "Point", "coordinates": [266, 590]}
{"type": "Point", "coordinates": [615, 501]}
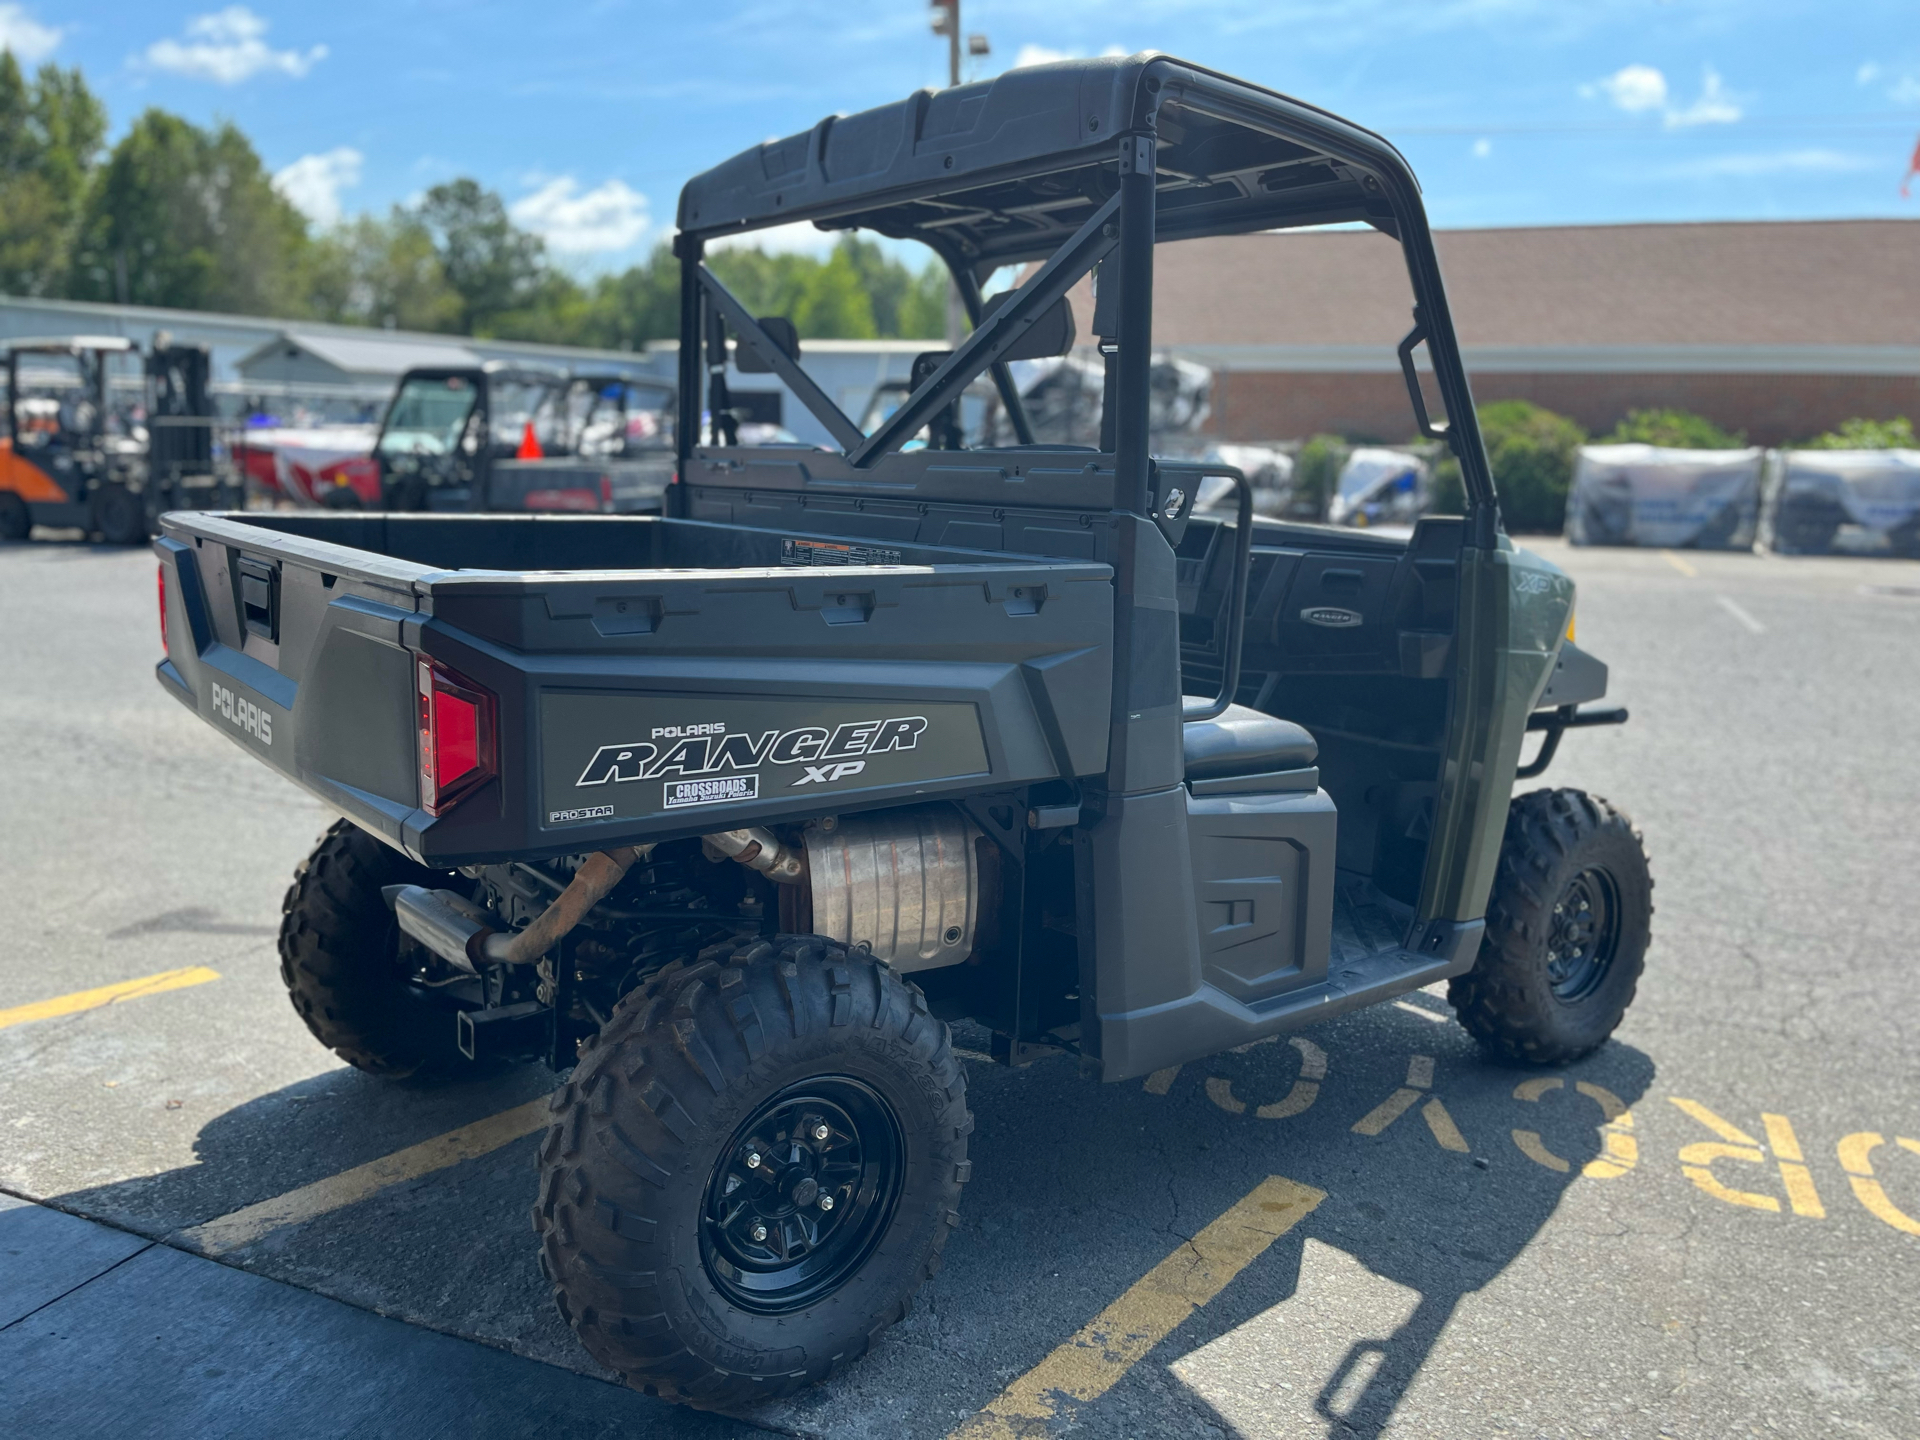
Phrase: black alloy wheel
{"type": "Point", "coordinates": [1584, 935]}
{"type": "Point", "coordinates": [801, 1195]}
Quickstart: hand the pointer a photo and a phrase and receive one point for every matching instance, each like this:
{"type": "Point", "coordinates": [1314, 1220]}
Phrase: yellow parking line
{"type": "Point", "coordinates": [1093, 1361]}
{"type": "Point", "coordinates": [1684, 567]}
{"type": "Point", "coordinates": [107, 995]}
{"type": "Point", "coordinates": [349, 1187]}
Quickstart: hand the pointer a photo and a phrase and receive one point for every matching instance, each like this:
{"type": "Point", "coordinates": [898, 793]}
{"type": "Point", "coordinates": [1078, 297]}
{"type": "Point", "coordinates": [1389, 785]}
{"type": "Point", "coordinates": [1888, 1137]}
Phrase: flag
{"type": "Point", "coordinates": [529, 446]}
{"type": "Point", "coordinates": [1913, 169]}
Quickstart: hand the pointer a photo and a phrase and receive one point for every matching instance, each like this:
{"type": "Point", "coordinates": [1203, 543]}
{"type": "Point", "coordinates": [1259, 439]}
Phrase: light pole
{"type": "Point", "coordinates": [945, 18]}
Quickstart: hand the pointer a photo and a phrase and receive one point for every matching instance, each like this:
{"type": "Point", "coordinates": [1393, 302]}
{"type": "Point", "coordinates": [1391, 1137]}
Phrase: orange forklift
{"type": "Point", "coordinates": [104, 439]}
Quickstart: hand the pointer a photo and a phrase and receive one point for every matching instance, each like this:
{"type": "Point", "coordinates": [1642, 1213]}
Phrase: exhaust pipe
{"type": "Point", "coordinates": [455, 929]}
{"type": "Point", "coordinates": [761, 850]}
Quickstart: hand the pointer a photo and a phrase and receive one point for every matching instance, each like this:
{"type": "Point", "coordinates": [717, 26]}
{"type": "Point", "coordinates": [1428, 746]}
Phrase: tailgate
{"type": "Point", "coordinates": [297, 650]}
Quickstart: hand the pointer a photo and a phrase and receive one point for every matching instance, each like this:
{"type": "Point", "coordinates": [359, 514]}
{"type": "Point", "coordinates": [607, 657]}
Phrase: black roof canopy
{"type": "Point", "coordinates": [1003, 170]}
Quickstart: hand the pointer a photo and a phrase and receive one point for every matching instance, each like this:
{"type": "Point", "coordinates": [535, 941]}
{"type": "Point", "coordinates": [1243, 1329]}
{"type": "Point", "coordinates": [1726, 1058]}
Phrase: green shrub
{"type": "Point", "coordinates": [1449, 494]}
{"type": "Point", "coordinates": [1675, 429]}
{"type": "Point", "coordinates": [1316, 473]}
{"type": "Point", "coordinates": [1863, 434]}
{"type": "Point", "coordinates": [1532, 451]}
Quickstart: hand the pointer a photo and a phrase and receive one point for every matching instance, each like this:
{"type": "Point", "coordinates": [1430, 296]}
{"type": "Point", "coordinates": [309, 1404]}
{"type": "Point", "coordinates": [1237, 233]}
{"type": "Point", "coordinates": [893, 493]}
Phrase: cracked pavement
{"type": "Point", "coordinates": [1432, 1294]}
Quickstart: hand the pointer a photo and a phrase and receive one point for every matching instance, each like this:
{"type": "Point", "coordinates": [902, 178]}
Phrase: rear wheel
{"type": "Point", "coordinates": [119, 515]}
{"type": "Point", "coordinates": [1567, 930]}
{"type": "Point", "coordinates": [340, 959]}
{"type": "Point", "coordinates": [753, 1168]}
{"type": "Point", "coordinates": [15, 519]}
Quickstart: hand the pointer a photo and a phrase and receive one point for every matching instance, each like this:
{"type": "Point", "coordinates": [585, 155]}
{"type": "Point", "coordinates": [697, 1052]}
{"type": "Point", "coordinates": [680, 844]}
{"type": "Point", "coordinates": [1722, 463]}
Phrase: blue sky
{"type": "Point", "coordinates": [588, 116]}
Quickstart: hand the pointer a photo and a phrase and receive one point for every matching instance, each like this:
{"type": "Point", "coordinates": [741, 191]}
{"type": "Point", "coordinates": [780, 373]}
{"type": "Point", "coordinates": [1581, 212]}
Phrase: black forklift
{"type": "Point", "coordinates": [725, 813]}
{"type": "Point", "coordinates": [102, 438]}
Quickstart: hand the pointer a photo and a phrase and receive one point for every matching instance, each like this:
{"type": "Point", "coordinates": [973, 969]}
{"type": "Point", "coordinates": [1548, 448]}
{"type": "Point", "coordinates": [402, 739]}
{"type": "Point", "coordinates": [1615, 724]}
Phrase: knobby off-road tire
{"type": "Point", "coordinates": [665, 1113]}
{"type": "Point", "coordinates": [339, 957]}
{"type": "Point", "coordinates": [1567, 930]}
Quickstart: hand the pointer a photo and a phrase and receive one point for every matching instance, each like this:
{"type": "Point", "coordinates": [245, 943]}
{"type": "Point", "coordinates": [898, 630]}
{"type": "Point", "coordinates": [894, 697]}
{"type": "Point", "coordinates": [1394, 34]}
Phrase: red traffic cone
{"type": "Point", "coordinates": [529, 445]}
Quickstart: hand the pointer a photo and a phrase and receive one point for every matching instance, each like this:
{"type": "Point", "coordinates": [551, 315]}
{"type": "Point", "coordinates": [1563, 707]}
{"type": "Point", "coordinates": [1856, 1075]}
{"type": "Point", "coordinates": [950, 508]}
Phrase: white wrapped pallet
{"type": "Point", "coordinates": [1653, 495]}
{"type": "Point", "coordinates": [1380, 487]}
{"type": "Point", "coordinates": [1820, 492]}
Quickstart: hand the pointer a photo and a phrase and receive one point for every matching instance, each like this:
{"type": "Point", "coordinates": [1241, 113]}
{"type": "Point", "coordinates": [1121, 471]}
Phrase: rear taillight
{"type": "Point", "coordinates": [457, 747]}
{"type": "Point", "coordinates": [606, 492]}
{"type": "Point", "coordinates": [161, 576]}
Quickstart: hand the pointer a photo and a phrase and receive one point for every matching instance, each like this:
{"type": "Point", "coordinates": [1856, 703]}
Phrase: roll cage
{"type": "Point", "coordinates": [1060, 168]}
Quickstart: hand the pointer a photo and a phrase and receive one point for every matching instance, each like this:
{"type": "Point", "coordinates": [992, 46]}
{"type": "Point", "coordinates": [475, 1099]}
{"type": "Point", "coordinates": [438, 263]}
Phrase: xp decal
{"type": "Point", "coordinates": [719, 751]}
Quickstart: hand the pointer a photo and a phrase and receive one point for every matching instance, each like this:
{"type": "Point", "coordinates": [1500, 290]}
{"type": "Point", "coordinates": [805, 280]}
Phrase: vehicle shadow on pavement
{"type": "Point", "coordinates": [1078, 1191]}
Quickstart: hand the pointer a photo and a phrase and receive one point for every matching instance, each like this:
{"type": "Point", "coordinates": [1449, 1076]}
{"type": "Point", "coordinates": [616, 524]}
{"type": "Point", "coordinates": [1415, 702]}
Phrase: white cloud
{"type": "Point", "coordinates": [798, 238]}
{"type": "Point", "coordinates": [1482, 148]}
{"type": "Point", "coordinates": [1642, 90]}
{"type": "Point", "coordinates": [1044, 55]}
{"type": "Point", "coordinates": [1633, 88]}
{"type": "Point", "coordinates": [1714, 107]}
{"type": "Point", "coordinates": [611, 216]}
{"type": "Point", "coordinates": [25, 36]}
{"type": "Point", "coordinates": [1866, 74]}
{"type": "Point", "coordinates": [314, 182]}
{"type": "Point", "coordinates": [229, 46]}
{"type": "Point", "coordinates": [1905, 91]}
{"type": "Point", "coordinates": [1778, 162]}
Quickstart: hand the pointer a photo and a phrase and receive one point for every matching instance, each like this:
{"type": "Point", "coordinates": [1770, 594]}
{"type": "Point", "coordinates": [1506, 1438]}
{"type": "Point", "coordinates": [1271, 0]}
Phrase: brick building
{"type": "Point", "coordinates": [1777, 329]}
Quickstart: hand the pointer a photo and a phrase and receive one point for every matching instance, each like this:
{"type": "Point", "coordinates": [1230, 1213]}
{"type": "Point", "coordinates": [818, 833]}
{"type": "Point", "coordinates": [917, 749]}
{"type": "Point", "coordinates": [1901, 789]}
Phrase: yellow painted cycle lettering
{"type": "Point", "coordinates": [1794, 1174]}
{"type": "Point", "coordinates": [1856, 1153]}
{"type": "Point", "coordinates": [1621, 1152]}
{"type": "Point", "coordinates": [1306, 1089]}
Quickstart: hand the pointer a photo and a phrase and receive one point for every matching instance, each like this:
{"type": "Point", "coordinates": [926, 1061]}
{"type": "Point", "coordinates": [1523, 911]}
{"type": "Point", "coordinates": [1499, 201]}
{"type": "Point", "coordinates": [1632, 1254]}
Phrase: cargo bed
{"type": "Point", "coordinates": [615, 679]}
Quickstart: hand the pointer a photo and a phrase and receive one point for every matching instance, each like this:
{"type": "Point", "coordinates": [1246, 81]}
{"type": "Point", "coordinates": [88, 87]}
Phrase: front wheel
{"type": "Point", "coordinates": [754, 1167]}
{"type": "Point", "coordinates": [1567, 930]}
{"type": "Point", "coordinates": [119, 515]}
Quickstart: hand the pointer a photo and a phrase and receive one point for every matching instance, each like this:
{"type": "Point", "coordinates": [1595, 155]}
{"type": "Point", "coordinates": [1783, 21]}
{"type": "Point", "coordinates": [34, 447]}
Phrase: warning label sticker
{"type": "Point", "coordinates": [823, 552]}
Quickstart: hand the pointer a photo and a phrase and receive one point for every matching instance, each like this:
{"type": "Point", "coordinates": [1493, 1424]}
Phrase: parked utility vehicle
{"type": "Point", "coordinates": [498, 437]}
{"type": "Point", "coordinates": [726, 813]}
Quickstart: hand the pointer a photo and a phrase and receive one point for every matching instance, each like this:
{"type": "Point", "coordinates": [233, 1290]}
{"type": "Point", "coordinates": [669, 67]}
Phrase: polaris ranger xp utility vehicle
{"type": "Point", "coordinates": [725, 813]}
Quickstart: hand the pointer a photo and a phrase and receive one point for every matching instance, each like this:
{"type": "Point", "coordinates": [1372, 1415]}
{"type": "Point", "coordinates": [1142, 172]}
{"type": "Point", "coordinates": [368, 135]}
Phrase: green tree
{"type": "Point", "coordinates": [1532, 452]}
{"type": "Point", "coordinates": [1863, 434]}
{"type": "Point", "coordinates": [1676, 429]}
{"type": "Point", "coordinates": [639, 304]}
{"type": "Point", "coordinates": [51, 130]}
{"type": "Point", "coordinates": [495, 267]}
{"type": "Point", "coordinates": [1316, 472]}
{"type": "Point", "coordinates": [381, 272]}
{"type": "Point", "coordinates": [187, 217]}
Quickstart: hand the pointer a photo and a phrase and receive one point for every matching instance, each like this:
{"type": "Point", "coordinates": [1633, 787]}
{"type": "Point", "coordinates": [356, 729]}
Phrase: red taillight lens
{"type": "Point", "coordinates": [456, 737]}
{"type": "Point", "coordinates": [606, 492]}
{"type": "Point", "coordinates": [161, 576]}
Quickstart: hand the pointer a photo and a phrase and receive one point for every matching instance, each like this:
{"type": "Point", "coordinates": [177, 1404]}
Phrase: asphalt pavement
{"type": "Point", "coordinates": [1709, 1228]}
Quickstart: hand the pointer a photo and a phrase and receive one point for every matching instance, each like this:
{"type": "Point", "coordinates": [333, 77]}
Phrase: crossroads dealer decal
{"type": "Point", "coordinates": [621, 756]}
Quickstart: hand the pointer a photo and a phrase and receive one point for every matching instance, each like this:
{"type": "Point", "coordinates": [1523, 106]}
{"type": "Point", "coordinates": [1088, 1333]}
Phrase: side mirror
{"type": "Point", "coordinates": [1052, 334]}
{"type": "Point", "coordinates": [781, 331]}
